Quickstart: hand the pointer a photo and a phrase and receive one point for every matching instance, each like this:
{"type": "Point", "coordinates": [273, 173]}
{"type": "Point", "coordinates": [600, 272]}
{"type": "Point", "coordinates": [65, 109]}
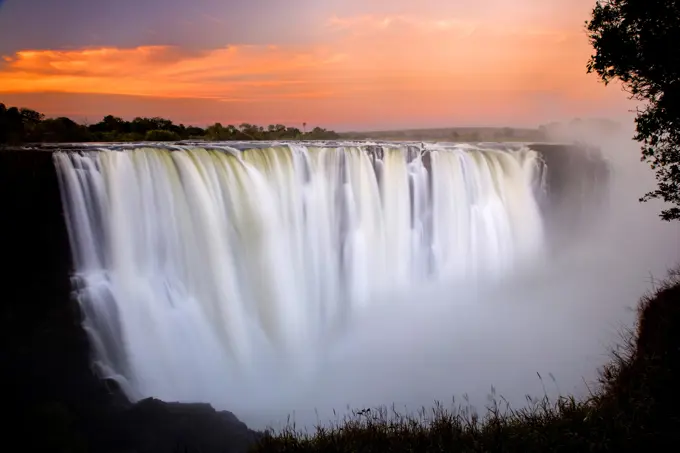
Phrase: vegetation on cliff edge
{"type": "Point", "coordinates": [22, 125]}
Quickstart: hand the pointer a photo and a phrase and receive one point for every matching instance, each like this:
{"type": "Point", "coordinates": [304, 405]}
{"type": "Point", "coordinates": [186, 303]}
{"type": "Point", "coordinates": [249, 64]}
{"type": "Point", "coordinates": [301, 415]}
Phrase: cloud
{"type": "Point", "coordinates": [235, 72]}
{"type": "Point", "coordinates": [420, 53]}
{"type": "Point", "coordinates": [366, 24]}
{"type": "Point", "coordinates": [386, 68]}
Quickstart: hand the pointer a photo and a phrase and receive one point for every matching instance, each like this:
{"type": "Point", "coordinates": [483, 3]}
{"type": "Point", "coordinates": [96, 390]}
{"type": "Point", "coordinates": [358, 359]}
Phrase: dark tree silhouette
{"type": "Point", "coordinates": [62, 130]}
{"type": "Point", "coordinates": [4, 129]}
{"type": "Point", "coordinates": [636, 42]}
{"type": "Point", "coordinates": [21, 125]}
{"type": "Point", "coordinates": [15, 126]}
{"type": "Point", "coordinates": [161, 135]}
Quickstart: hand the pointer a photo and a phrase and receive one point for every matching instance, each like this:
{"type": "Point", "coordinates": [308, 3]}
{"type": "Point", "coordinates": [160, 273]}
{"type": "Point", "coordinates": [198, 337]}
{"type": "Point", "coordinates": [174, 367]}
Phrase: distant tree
{"type": "Point", "coordinates": [161, 124]}
{"type": "Point", "coordinates": [276, 131]}
{"type": "Point", "coordinates": [142, 125]}
{"type": "Point", "coordinates": [319, 133]}
{"type": "Point", "coordinates": [63, 130]}
{"type": "Point", "coordinates": [31, 123]}
{"type": "Point", "coordinates": [111, 128]}
{"type": "Point", "coordinates": [180, 130]}
{"type": "Point", "coordinates": [293, 133]}
{"type": "Point", "coordinates": [115, 124]}
{"type": "Point", "coordinates": [160, 135]}
{"type": "Point", "coordinates": [636, 42]}
{"type": "Point", "coordinates": [3, 123]}
{"type": "Point", "coordinates": [194, 132]}
{"type": "Point", "coordinates": [218, 132]}
{"type": "Point", "coordinates": [252, 131]}
{"type": "Point", "coordinates": [19, 125]}
{"type": "Point", "coordinates": [14, 126]}
{"type": "Point", "coordinates": [31, 116]}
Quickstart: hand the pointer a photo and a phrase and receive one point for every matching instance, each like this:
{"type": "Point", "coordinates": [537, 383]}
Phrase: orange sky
{"type": "Point", "coordinates": [361, 71]}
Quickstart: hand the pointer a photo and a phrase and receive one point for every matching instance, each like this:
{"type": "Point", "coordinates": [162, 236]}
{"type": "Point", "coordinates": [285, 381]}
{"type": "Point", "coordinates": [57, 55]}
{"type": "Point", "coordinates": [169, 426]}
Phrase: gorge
{"type": "Point", "coordinates": [175, 300]}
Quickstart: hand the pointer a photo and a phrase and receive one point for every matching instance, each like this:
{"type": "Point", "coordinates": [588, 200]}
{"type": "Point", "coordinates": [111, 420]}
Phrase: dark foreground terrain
{"type": "Point", "coordinates": [55, 403]}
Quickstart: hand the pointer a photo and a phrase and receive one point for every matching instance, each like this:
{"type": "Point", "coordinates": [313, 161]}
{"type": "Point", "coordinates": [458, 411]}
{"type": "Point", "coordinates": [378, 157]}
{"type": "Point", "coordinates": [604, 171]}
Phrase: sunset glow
{"type": "Point", "coordinates": [433, 67]}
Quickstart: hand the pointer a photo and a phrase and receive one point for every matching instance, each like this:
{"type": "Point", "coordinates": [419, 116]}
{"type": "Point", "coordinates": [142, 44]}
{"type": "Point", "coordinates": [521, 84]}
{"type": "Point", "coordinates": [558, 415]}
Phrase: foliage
{"type": "Point", "coordinates": [160, 135]}
{"type": "Point", "coordinates": [631, 409]}
{"type": "Point", "coordinates": [21, 125]}
{"type": "Point", "coordinates": [635, 42]}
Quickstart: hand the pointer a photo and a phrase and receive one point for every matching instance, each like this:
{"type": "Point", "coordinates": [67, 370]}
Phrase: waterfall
{"type": "Point", "coordinates": [195, 261]}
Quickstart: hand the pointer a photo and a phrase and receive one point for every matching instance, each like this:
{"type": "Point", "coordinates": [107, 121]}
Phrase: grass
{"type": "Point", "coordinates": [632, 409]}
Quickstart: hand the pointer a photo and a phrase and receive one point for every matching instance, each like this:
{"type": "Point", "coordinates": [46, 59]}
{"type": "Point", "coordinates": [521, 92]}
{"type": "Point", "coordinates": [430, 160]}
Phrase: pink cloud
{"type": "Point", "coordinates": [391, 67]}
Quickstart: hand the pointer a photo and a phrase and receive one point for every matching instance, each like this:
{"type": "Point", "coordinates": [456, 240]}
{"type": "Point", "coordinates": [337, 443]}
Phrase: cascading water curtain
{"type": "Point", "coordinates": [254, 258]}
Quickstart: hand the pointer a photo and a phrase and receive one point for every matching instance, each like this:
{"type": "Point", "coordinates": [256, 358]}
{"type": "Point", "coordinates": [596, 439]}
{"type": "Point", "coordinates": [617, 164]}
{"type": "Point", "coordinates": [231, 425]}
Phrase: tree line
{"type": "Point", "coordinates": [23, 125]}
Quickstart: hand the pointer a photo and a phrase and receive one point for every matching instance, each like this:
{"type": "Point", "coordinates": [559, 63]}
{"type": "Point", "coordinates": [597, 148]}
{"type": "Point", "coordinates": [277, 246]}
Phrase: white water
{"type": "Point", "coordinates": [206, 274]}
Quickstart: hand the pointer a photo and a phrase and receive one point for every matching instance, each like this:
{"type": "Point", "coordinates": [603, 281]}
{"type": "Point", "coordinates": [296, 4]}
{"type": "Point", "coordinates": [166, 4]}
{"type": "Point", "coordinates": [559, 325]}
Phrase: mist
{"type": "Point", "coordinates": [203, 291]}
{"type": "Point", "coordinates": [559, 318]}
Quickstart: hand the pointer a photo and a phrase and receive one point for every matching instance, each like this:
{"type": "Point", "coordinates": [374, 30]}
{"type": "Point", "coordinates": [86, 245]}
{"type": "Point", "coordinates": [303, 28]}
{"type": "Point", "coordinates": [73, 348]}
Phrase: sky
{"type": "Point", "coordinates": [341, 64]}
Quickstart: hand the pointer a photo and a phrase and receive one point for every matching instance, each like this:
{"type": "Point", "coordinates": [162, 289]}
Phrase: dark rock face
{"type": "Point", "coordinates": [43, 347]}
{"type": "Point", "coordinates": [576, 178]}
{"type": "Point", "coordinates": [56, 402]}
{"type": "Point", "coordinates": [184, 427]}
